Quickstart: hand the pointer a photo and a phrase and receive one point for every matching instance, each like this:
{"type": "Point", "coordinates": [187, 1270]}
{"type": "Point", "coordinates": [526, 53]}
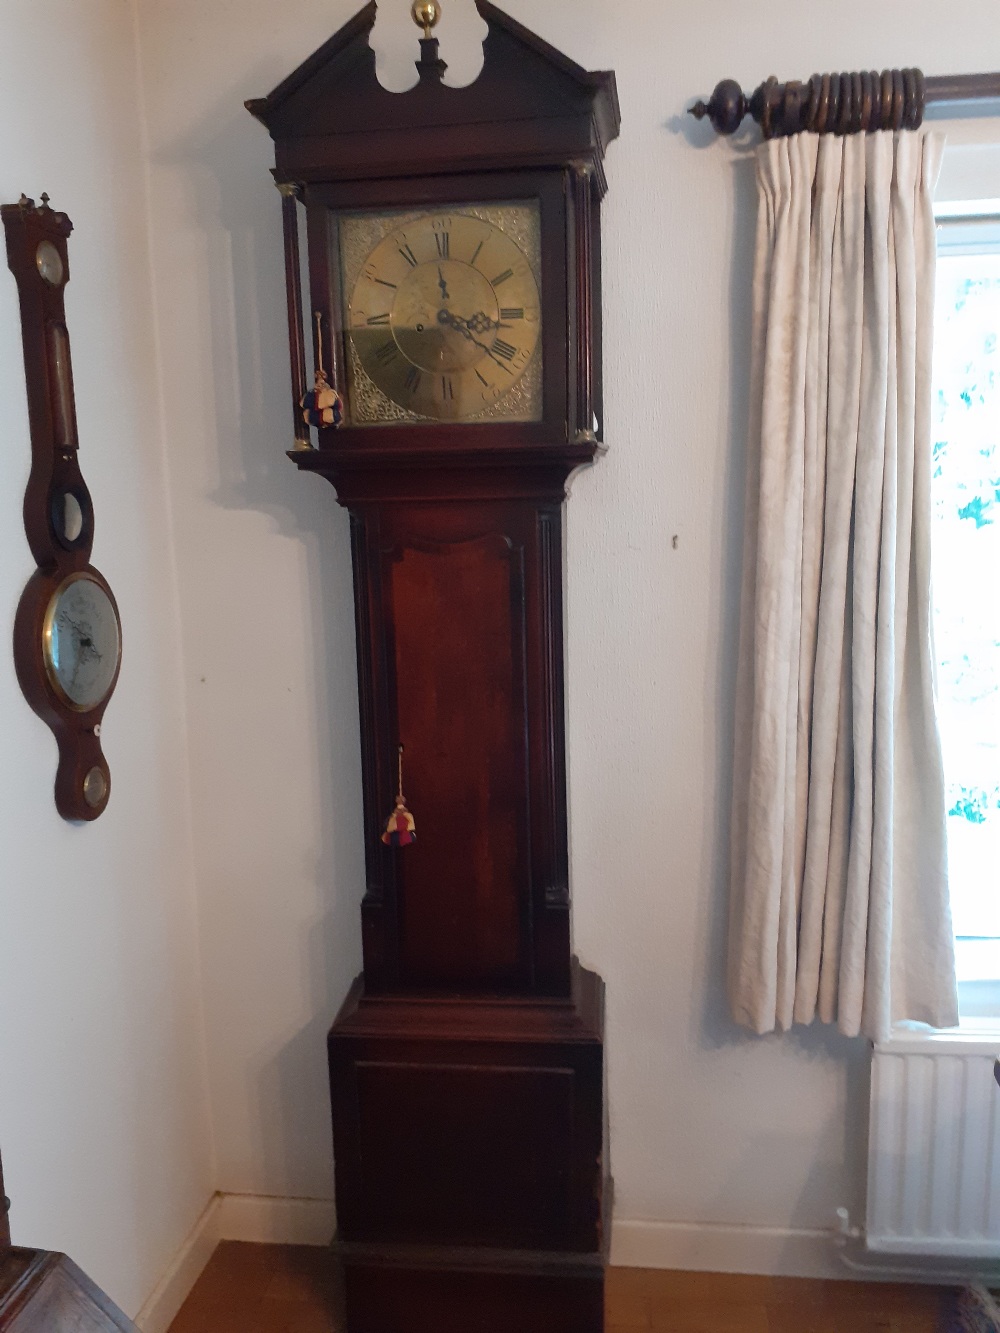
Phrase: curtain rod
{"type": "Point", "coordinates": [841, 103]}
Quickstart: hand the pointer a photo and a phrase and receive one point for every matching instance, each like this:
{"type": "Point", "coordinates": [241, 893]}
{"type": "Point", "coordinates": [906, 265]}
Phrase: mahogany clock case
{"type": "Point", "coordinates": [467, 1064]}
{"type": "Point", "coordinates": [58, 512]}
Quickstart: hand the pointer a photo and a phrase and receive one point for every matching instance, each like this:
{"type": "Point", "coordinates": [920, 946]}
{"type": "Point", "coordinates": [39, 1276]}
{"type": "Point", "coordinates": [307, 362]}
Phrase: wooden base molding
{"type": "Point", "coordinates": [716, 1247]}
{"type": "Point", "coordinates": [434, 1292]}
{"type": "Point", "coordinates": [183, 1271]}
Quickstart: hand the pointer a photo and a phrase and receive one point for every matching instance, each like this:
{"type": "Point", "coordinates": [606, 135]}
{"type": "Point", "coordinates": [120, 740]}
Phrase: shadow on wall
{"type": "Point", "coordinates": [237, 212]}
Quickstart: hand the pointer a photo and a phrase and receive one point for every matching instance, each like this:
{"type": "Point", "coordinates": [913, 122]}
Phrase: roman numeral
{"type": "Point", "coordinates": [443, 240]}
{"type": "Point", "coordinates": [512, 312]}
{"type": "Point", "coordinates": [408, 255]}
{"type": "Point", "coordinates": [385, 284]}
{"type": "Point", "coordinates": [413, 379]}
{"type": "Point", "coordinates": [501, 277]}
{"type": "Point", "coordinates": [377, 319]}
{"type": "Point", "coordinates": [447, 389]}
{"type": "Point", "coordinates": [482, 380]}
{"type": "Point", "coordinates": [504, 349]}
{"type": "Point", "coordinates": [475, 253]}
{"type": "Point", "coordinates": [387, 352]}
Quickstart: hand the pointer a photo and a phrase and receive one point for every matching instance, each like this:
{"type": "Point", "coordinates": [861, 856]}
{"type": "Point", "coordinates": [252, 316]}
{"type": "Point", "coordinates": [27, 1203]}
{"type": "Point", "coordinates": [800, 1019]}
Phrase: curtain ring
{"type": "Point", "coordinates": [833, 107]}
{"type": "Point", "coordinates": [875, 119]}
{"type": "Point", "coordinates": [823, 104]}
{"type": "Point", "coordinates": [914, 98]}
{"type": "Point", "coordinates": [921, 96]}
{"type": "Point", "coordinates": [812, 105]}
{"type": "Point", "coordinates": [898, 99]}
{"type": "Point", "coordinates": [886, 117]}
{"type": "Point", "coordinates": [846, 110]}
{"type": "Point", "coordinates": [908, 99]}
{"type": "Point", "coordinates": [856, 110]}
{"type": "Point", "coordinates": [866, 101]}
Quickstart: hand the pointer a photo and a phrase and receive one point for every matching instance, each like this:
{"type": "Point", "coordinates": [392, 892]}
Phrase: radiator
{"type": "Point", "coordinates": [934, 1147]}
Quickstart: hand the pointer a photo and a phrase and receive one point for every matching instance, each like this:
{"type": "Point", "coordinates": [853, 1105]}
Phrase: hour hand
{"type": "Point", "coordinates": [442, 284]}
{"type": "Point", "coordinates": [462, 325]}
{"type": "Point", "coordinates": [480, 322]}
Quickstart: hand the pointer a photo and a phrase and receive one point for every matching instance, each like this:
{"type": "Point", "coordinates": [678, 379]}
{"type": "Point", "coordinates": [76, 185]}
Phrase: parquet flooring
{"type": "Point", "coordinates": [289, 1289]}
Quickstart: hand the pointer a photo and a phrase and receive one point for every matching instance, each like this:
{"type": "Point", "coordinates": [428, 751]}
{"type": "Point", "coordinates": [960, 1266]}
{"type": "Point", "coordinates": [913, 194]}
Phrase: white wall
{"type": "Point", "coordinates": [104, 1119]}
{"type": "Point", "coordinates": [709, 1125]}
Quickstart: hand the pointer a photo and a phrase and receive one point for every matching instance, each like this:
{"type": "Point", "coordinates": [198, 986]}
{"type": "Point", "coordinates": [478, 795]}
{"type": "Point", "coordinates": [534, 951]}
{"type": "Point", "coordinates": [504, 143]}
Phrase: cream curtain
{"type": "Point", "coordinates": [839, 893]}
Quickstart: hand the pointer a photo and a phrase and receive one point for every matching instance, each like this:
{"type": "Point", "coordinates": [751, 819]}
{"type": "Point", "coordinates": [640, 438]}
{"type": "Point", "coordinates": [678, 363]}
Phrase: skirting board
{"type": "Point", "coordinates": [710, 1247]}
{"type": "Point", "coordinates": [687, 1245]}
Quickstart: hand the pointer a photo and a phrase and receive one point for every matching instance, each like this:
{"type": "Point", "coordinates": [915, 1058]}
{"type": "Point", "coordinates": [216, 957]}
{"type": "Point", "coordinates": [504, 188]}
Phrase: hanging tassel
{"type": "Point", "coordinates": [400, 829]}
{"type": "Point", "coordinates": [322, 405]}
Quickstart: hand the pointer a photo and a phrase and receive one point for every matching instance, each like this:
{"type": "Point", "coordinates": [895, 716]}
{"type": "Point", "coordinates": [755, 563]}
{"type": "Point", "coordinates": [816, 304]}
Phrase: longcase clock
{"type": "Point", "coordinates": [454, 306]}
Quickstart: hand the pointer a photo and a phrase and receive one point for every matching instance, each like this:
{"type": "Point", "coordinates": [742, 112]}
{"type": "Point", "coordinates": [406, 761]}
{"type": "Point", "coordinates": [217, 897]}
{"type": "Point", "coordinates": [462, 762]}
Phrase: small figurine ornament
{"type": "Point", "coordinates": [400, 829]}
{"type": "Point", "coordinates": [322, 405]}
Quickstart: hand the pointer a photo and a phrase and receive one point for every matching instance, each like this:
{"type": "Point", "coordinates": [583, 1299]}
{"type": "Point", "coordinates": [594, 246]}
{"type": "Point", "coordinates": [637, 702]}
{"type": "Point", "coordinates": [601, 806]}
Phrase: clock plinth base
{"type": "Point", "coordinates": [469, 1141]}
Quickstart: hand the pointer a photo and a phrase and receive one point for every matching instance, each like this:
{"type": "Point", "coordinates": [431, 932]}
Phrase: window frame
{"type": "Point", "coordinates": [972, 227]}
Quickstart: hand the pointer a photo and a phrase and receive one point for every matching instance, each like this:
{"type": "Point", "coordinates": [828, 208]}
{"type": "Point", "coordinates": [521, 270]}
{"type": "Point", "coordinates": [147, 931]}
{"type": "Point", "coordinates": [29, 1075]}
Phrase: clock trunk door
{"type": "Point", "coordinates": [458, 673]}
{"type": "Point", "coordinates": [457, 660]}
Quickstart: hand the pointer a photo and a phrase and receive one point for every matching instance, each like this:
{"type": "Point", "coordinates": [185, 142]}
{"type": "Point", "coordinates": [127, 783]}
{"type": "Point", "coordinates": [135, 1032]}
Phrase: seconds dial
{"type": "Point", "coordinates": [445, 315]}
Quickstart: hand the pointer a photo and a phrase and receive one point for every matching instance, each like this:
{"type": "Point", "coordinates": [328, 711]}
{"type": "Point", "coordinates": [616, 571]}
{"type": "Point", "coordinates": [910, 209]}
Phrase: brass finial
{"type": "Point", "coordinates": [426, 14]}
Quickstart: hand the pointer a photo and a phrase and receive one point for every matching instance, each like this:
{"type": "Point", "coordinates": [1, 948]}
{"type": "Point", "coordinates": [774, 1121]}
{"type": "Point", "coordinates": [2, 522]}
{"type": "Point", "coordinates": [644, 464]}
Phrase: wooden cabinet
{"type": "Point", "coordinates": [467, 1065]}
{"type": "Point", "coordinates": [45, 1292]}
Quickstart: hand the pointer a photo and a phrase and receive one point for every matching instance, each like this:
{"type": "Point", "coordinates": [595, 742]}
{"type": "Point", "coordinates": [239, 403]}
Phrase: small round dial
{"type": "Point", "coordinates": [81, 642]}
{"type": "Point", "coordinates": [49, 263]}
{"type": "Point", "coordinates": [445, 315]}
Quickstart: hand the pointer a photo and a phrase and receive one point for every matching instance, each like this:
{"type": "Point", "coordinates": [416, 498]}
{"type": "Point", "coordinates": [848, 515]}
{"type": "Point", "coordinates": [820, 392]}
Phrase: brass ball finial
{"type": "Point", "coordinates": [426, 14]}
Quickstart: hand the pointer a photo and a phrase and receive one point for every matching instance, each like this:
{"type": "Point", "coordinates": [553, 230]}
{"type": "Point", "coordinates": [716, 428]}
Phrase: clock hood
{"type": "Point", "coordinates": [531, 106]}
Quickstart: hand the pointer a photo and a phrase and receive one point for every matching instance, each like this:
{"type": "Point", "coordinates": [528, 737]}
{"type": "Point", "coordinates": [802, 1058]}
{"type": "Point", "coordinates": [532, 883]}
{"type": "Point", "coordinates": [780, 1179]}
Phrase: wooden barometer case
{"type": "Point", "coordinates": [67, 632]}
{"type": "Point", "coordinates": [454, 306]}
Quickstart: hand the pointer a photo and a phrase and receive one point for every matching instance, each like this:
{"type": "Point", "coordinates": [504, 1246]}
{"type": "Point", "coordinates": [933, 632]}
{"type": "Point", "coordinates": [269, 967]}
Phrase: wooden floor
{"type": "Point", "coordinates": [289, 1289]}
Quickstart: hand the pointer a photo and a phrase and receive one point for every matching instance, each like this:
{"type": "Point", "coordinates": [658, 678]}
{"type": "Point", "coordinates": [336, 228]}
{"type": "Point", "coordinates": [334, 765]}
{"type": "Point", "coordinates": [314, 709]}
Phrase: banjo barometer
{"type": "Point", "coordinates": [453, 308]}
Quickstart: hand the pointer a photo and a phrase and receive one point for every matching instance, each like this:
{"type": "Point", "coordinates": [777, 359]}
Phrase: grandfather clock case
{"type": "Point", "coordinates": [467, 1062]}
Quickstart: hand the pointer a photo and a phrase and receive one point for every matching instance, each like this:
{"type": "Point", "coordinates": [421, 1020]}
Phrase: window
{"type": "Point", "coordinates": [966, 569]}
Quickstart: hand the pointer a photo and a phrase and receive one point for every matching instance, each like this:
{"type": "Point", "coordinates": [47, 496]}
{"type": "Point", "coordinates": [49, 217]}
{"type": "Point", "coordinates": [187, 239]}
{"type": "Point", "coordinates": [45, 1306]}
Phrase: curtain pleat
{"type": "Point", "coordinates": [839, 902]}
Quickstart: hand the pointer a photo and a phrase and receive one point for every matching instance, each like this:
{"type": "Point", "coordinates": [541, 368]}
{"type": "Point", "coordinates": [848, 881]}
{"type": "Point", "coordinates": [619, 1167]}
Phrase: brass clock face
{"type": "Point", "coordinates": [444, 317]}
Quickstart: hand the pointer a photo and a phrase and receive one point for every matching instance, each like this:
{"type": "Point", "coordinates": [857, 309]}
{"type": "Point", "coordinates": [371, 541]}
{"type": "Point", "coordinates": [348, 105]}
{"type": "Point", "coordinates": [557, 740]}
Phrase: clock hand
{"type": "Point", "coordinates": [456, 322]}
{"type": "Point", "coordinates": [442, 284]}
{"type": "Point", "coordinates": [480, 322]}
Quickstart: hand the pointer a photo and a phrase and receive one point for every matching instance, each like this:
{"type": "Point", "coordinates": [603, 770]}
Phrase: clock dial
{"type": "Point", "coordinates": [81, 642]}
{"type": "Point", "coordinates": [445, 316]}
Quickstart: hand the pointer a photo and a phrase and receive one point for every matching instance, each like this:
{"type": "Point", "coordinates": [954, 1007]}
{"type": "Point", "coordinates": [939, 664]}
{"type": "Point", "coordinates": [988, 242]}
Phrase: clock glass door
{"type": "Point", "coordinates": [442, 313]}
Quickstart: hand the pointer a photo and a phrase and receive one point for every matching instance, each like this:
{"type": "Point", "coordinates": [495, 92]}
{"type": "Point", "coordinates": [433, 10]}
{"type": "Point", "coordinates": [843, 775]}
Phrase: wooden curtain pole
{"type": "Point", "coordinates": [841, 103]}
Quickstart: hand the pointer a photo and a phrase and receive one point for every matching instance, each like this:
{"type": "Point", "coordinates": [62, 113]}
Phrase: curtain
{"type": "Point", "coordinates": [839, 906]}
